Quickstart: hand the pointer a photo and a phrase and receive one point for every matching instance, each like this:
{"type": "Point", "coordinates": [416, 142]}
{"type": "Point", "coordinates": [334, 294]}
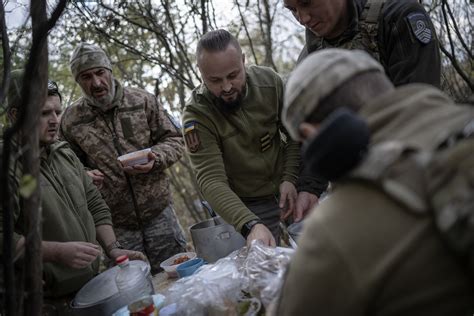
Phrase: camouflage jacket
{"type": "Point", "coordinates": [136, 121]}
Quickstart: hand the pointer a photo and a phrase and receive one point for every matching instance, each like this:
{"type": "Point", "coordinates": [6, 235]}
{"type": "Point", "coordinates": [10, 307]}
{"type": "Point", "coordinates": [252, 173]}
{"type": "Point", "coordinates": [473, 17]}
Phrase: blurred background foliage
{"type": "Point", "coordinates": [151, 44]}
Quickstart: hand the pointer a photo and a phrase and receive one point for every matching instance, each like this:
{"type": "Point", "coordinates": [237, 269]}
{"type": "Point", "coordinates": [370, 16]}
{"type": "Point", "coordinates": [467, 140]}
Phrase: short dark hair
{"type": "Point", "coordinates": [216, 41]}
{"type": "Point", "coordinates": [16, 84]}
{"type": "Point", "coordinates": [352, 94]}
{"type": "Point", "coordinates": [54, 90]}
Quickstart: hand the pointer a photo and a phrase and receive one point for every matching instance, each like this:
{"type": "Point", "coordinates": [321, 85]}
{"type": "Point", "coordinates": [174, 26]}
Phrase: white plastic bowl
{"type": "Point", "coordinates": [170, 268]}
{"type": "Point", "coordinates": [135, 158]}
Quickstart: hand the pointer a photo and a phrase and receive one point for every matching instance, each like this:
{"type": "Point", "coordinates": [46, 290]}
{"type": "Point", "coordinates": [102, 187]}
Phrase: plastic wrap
{"type": "Point", "coordinates": [246, 277]}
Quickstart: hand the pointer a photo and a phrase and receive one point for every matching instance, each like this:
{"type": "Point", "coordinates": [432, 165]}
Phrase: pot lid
{"type": "Point", "coordinates": [103, 287]}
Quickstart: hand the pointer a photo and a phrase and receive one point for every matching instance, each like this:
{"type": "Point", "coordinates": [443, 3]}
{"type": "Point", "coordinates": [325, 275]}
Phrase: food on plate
{"type": "Point", "coordinates": [170, 264]}
{"type": "Point", "coordinates": [180, 259]}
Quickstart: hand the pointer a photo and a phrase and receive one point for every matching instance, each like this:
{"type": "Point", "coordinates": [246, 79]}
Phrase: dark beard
{"type": "Point", "coordinates": [230, 107]}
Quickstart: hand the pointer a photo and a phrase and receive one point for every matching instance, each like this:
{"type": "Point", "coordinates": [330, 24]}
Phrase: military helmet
{"type": "Point", "coordinates": [316, 77]}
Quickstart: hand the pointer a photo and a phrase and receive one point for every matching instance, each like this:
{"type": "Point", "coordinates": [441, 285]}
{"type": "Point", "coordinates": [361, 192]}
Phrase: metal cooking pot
{"type": "Point", "coordinates": [214, 239]}
{"type": "Point", "coordinates": [100, 295]}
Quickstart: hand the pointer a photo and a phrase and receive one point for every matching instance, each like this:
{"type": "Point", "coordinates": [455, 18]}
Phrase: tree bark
{"type": "Point", "coordinates": [203, 16]}
{"type": "Point", "coordinates": [5, 198]}
{"type": "Point", "coordinates": [31, 161]}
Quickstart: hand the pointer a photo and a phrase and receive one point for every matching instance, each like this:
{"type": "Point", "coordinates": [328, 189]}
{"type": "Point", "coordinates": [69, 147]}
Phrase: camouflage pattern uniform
{"type": "Point", "coordinates": [134, 121]}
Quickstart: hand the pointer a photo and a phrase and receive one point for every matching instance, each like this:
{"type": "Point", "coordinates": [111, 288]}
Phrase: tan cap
{"type": "Point", "coordinates": [316, 77]}
{"type": "Point", "coordinates": [87, 56]}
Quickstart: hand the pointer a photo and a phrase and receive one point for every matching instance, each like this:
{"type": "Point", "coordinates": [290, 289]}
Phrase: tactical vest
{"type": "Point", "coordinates": [365, 38]}
{"type": "Point", "coordinates": [440, 182]}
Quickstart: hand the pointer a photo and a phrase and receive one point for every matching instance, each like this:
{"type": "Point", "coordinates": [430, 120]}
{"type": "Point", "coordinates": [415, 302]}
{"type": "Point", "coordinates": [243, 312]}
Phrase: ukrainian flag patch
{"type": "Point", "coordinates": [191, 136]}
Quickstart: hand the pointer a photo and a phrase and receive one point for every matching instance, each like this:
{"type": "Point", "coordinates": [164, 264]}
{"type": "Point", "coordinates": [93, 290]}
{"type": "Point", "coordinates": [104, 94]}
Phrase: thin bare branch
{"type": "Point", "coordinates": [247, 32]}
{"type": "Point", "coordinates": [6, 56]}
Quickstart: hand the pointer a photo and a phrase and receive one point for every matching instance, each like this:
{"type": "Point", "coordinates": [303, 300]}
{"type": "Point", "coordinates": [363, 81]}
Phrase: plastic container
{"type": "Point", "coordinates": [100, 295]}
{"type": "Point", "coordinates": [135, 158]}
{"type": "Point", "coordinates": [189, 267]}
{"type": "Point", "coordinates": [158, 302]}
{"type": "Point", "coordinates": [170, 266]}
{"type": "Point", "coordinates": [169, 310]}
{"type": "Point", "coordinates": [132, 281]}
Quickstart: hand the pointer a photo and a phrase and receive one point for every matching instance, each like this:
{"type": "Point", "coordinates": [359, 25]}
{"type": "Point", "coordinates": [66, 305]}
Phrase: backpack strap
{"type": "Point", "coordinates": [398, 170]}
{"type": "Point", "coordinates": [439, 183]}
{"type": "Point", "coordinates": [451, 191]}
{"type": "Point", "coordinates": [372, 11]}
{"type": "Point", "coordinates": [369, 27]}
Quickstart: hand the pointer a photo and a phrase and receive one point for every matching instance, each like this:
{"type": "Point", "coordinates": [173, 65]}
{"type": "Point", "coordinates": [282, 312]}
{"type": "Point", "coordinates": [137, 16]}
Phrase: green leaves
{"type": "Point", "coordinates": [28, 185]}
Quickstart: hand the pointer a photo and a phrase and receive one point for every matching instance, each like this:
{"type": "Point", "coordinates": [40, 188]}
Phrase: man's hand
{"type": "Point", "coordinates": [305, 202]}
{"type": "Point", "coordinates": [132, 255]}
{"type": "Point", "coordinates": [144, 168]}
{"type": "Point", "coordinates": [75, 254]}
{"type": "Point", "coordinates": [97, 177]}
{"type": "Point", "coordinates": [287, 198]}
{"type": "Point", "coordinates": [261, 232]}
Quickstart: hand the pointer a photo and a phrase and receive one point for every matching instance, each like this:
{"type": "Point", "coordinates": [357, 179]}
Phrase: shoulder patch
{"type": "Point", "coordinates": [420, 27]}
{"type": "Point", "coordinates": [191, 136]}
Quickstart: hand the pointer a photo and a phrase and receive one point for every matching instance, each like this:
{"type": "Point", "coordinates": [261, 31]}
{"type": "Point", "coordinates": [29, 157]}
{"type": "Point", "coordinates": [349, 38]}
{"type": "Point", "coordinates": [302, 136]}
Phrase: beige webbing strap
{"type": "Point", "coordinates": [378, 168]}
{"type": "Point", "coordinates": [375, 6]}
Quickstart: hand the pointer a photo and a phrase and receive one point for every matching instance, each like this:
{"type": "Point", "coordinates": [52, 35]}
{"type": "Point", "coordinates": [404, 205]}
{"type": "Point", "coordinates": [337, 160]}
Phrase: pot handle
{"type": "Point", "coordinates": [209, 209]}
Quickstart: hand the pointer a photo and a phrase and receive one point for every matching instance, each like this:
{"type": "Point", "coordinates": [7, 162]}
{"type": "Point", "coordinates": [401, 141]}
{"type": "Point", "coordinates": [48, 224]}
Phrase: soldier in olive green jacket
{"type": "Point", "coordinates": [375, 246]}
{"type": "Point", "coordinates": [241, 153]}
{"type": "Point", "coordinates": [74, 215]}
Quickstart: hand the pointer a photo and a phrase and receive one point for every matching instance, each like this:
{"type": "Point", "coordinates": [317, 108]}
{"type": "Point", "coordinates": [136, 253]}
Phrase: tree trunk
{"type": "Point", "coordinates": [31, 160]}
{"type": "Point", "coordinates": [203, 16]}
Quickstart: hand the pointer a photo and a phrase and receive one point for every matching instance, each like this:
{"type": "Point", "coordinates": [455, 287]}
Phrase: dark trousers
{"type": "Point", "coordinates": [268, 211]}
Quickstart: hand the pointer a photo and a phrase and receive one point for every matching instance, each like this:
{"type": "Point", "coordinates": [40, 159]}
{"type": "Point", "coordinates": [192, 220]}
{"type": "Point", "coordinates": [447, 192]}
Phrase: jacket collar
{"type": "Point", "coordinates": [48, 151]}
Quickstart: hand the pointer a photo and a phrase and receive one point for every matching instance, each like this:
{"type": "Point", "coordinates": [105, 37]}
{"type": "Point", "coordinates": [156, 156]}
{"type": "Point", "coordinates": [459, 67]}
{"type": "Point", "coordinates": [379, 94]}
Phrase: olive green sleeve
{"type": "Point", "coordinates": [211, 176]}
{"type": "Point", "coordinates": [291, 160]}
{"type": "Point", "coordinates": [292, 156]}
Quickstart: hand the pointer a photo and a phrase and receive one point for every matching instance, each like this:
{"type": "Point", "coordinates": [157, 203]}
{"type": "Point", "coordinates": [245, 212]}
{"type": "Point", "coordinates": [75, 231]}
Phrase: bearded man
{"type": "Point", "coordinates": [108, 121]}
{"type": "Point", "coordinates": [245, 162]}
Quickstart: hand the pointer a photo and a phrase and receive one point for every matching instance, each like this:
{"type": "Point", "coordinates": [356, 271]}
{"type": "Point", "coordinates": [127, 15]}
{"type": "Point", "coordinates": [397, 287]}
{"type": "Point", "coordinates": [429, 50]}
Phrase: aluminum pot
{"type": "Point", "coordinates": [100, 295]}
{"type": "Point", "coordinates": [214, 239]}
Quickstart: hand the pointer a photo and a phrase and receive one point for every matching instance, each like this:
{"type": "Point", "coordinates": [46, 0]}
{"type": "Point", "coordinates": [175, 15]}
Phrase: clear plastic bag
{"type": "Point", "coordinates": [216, 289]}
